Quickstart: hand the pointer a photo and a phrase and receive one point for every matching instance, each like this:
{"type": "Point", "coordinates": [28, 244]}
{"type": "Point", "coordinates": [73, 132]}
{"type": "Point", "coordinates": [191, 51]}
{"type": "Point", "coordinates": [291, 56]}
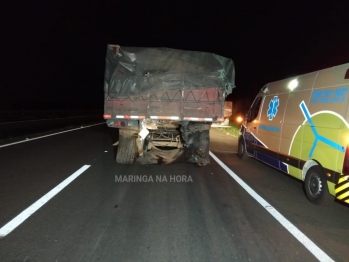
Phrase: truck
{"type": "Point", "coordinates": [300, 126]}
{"type": "Point", "coordinates": [163, 101]}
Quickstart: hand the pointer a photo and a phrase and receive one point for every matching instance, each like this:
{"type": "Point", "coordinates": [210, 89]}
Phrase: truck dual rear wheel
{"type": "Point", "coordinates": [315, 186]}
{"type": "Point", "coordinates": [127, 148]}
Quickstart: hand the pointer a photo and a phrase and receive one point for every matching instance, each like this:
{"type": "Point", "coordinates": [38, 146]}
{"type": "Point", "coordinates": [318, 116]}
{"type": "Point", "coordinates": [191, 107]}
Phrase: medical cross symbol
{"type": "Point", "coordinates": [272, 111]}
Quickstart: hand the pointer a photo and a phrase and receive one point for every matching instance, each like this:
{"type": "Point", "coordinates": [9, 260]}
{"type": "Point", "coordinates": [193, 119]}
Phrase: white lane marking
{"type": "Point", "coordinates": [314, 249]}
{"type": "Point", "coordinates": [37, 120]}
{"type": "Point", "coordinates": [6, 229]}
{"type": "Point", "coordinates": [225, 151]}
{"type": "Point", "coordinates": [30, 139]}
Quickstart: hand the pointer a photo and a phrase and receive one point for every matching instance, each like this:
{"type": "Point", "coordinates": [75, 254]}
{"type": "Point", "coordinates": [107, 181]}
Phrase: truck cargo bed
{"type": "Point", "coordinates": [191, 105]}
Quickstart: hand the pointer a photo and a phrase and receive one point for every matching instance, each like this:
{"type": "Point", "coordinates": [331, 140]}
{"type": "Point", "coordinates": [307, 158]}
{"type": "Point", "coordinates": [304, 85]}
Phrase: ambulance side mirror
{"type": "Point", "coordinates": [346, 75]}
{"type": "Point", "coordinates": [253, 112]}
{"type": "Point", "coordinates": [248, 116]}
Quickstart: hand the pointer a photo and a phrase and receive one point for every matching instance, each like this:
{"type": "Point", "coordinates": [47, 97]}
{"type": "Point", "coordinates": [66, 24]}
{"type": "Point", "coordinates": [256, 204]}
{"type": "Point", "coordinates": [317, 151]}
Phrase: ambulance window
{"type": "Point", "coordinates": [254, 109]}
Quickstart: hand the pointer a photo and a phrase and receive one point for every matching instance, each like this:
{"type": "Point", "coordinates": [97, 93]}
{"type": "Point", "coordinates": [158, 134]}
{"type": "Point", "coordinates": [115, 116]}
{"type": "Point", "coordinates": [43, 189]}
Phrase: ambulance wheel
{"type": "Point", "coordinates": [315, 186]}
{"type": "Point", "coordinates": [241, 149]}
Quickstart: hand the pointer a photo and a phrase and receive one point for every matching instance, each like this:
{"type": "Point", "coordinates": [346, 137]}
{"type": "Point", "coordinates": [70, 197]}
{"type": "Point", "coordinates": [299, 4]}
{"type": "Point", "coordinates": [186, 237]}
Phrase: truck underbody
{"type": "Point", "coordinates": [164, 142]}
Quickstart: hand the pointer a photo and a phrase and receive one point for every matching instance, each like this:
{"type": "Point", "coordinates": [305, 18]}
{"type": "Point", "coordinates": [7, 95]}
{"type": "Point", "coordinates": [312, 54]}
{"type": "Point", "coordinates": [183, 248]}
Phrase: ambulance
{"type": "Point", "coordinates": [300, 125]}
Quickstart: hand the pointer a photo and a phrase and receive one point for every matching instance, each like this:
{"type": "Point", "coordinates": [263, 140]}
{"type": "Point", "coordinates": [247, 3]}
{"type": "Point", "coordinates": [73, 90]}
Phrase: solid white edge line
{"type": "Point", "coordinates": [6, 229]}
{"type": "Point", "coordinates": [37, 120]}
{"type": "Point", "coordinates": [30, 139]}
{"type": "Point", "coordinates": [314, 249]}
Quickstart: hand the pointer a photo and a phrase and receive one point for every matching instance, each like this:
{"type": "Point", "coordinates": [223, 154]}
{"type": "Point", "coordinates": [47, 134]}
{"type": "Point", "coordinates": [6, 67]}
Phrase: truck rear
{"type": "Point", "coordinates": [163, 101]}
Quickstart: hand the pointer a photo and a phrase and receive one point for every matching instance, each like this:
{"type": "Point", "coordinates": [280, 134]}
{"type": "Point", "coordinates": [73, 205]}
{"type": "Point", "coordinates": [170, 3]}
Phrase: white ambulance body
{"type": "Point", "coordinates": [300, 126]}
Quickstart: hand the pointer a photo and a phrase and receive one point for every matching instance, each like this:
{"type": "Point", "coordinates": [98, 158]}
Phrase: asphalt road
{"type": "Point", "coordinates": [211, 218]}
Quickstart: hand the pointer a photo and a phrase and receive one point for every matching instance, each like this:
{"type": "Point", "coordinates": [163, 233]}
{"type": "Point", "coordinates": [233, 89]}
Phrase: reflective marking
{"type": "Point", "coordinates": [165, 117]}
{"type": "Point", "coordinates": [198, 118]}
{"type": "Point", "coordinates": [6, 229]}
{"type": "Point", "coordinates": [340, 197]}
{"type": "Point", "coordinates": [308, 244]}
{"type": "Point", "coordinates": [316, 134]}
{"type": "Point", "coordinates": [127, 117]}
{"type": "Point", "coordinates": [30, 139]}
{"type": "Point", "coordinates": [342, 179]}
{"type": "Point", "coordinates": [341, 188]}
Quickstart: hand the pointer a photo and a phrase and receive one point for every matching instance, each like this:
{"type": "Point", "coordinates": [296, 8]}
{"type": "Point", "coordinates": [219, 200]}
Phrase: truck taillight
{"type": "Point", "coordinates": [345, 169]}
{"type": "Point", "coordinates": [106, 116]}
{"type": "Point", "coordinates": [120, 123]}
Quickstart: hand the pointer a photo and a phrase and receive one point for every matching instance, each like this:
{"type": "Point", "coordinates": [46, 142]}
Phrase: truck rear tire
{"type": "Point", "coordinates": [315, 186]}
{"type": "Point", "coordinates": [127, 148]}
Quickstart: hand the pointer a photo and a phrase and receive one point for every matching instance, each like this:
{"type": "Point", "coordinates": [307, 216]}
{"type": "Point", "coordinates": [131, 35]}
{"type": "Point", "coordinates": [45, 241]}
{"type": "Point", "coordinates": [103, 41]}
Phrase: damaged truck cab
{"type": "Point", "coordinates": [163, 101]}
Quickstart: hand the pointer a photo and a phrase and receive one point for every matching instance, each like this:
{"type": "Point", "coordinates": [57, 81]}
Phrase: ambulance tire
{"type": "Point", "coordinates": [127, 149]}
{"type": "Point", "coordinates": [315, 186]}
{"type": "Point", "coordinates": [241, 149]}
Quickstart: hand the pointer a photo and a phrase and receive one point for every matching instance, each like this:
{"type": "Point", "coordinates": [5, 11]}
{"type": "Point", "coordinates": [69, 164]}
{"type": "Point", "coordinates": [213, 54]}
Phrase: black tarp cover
{"type": "Point", "coordinates": [138, 70]}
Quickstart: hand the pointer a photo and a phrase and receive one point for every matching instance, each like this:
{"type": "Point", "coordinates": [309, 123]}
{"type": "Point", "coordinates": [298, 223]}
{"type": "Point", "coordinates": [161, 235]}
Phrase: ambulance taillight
{"type": "Point", "coordinates": [345, 169]}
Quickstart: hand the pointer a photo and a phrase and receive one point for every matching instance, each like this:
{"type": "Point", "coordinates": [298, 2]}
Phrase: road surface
{"type": "Point", "coordinates": [175, 212]}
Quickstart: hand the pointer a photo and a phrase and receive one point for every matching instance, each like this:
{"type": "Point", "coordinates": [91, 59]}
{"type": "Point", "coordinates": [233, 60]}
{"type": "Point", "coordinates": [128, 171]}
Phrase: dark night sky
{"type": "Point", "coordinates": [53, 52]}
